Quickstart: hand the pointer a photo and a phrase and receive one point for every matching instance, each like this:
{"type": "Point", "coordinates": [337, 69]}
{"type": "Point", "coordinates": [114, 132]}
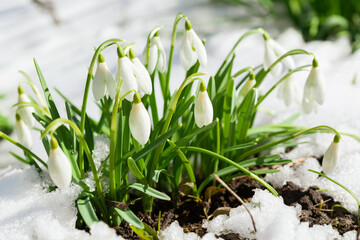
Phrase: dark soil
{"type": "Point", "coordinates": [317, 208]}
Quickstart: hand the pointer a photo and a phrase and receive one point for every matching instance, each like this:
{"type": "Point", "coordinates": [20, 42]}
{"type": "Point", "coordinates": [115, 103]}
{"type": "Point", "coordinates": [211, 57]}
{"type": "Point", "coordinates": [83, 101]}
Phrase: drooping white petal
{"type": "Point", "coordinates": [139, 122]}
{"type": "Point", "coordinates": [331, 158]}
{"type": "Point", "coordinates": [279, 51]}
{"type": "Point", "coordinates": [161, 66]}
{"type": "Point", "coordinates": [111, 85]}
{"type": "Point", "coordinates": [99, 82]}
{"type": "Point", "coordinates": [289, 91]}
{"type": "Point", "coordinates": [318, 85]}
{"type": "Point", "coordinates": [23, 133]}
{"type": "Point", "coordinates": [59, 168]}
{"type": "Point", "coordinates": [203, 110]}
{"type": "Point", "coordinates": [187, 54]}
{"type": "Point", "coordinates": [126, 73]}
{"type": "Point", "coordinates": [142, 77]}
{"type": "Point", "coordinates": [269, 58]}
{"type": "Point", "coordinates": [26, 112]}
{"type": "Point", "coordinates": [153, 57]}
{"type": "Point", "coordinates": [199, 48]}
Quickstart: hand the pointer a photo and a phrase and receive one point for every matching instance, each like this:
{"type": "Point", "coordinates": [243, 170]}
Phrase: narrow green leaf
{"type": "Point", "coordinates": [143, 152]}
{"type": "Point", "coordinates": [135, 170]}
{"type": "Point", "coordinates": [245, 115]}
{"type": "Point", "coordinates": [130, 217]}
{"type": "Point", "coordinates": [149, 191]}
{"type": "Point", "coordinates": [141, 233]}
{"type": "Point", "coordinates": [20, 158]}
{"type": "Point", "coordinates": [156, 175]}
{"type": "Point", "coordinates": [228, 107]}
{"type": "Point", "coordinates": [87, 211]}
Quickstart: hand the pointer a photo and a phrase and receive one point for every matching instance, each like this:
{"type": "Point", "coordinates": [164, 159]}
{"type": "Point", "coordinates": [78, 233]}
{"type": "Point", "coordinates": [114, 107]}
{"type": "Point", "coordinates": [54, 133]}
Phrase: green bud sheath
{"type": "Point", "coordinates": [188, 25]}
{"type": "Point", "coordinates": [202, 87]}
{"type": "Point", "coordinates": [156, 34]}
{"type": "Point", "coordinates": [17, 116]}
{"type": "Point", "coordinates": [101, 58]}
{"type": "Point", "coordinates": [53, 143]}
{"type": "Point", "coordinates": [315, 63]}
{"type": "Point", "coordinates": [336, 139]}
{"type": "Point", "coordinates": [137, 98]}
{"type": "Point", "coordinates": [120, 52]}
{"type": "Point", "coordinates": [132, 54]}
{"type": "Point", "coordinates": [20, 90]}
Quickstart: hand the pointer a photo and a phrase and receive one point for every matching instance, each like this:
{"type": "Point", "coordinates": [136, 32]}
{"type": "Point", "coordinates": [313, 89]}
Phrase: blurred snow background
{"type": "Point", "coordinates": [64, 51]}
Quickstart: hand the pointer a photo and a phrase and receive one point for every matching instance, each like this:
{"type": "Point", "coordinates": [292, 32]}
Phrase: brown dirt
{"type": "Point", "coordinates": [316, 209]}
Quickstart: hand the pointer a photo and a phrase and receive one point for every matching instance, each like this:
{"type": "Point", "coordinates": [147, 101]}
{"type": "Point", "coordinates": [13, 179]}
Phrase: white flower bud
{"type": "Point", "coordinates": [331, 156]}
{"type": "Point", "coordinates": [139, 121]}
{"type": "Point", "coordinates": [25, 112]}
{"type": "Point", "coordinates": [157, 55]}
{"type": "Point", "coordinates": [192, 49]}
{"type": "Point", "coordinates": [272, 52]}
{"type": "Point", "coordinates": [125, 71]}
{"type": "Point", "coordinates": [23, 132]}
{"type": "Point", "coordinates": [59, 166]}
{"type": "Point", "coordinates": [141, 74]}
{"type": "Point", "coordinates": [314, 91]}
{"type": "Point", "coordinates": [103, 80]}
{"type": "Point", "coordinates": [203, 108]}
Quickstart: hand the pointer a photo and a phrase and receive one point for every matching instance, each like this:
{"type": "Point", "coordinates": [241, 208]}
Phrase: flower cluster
{"type": "Point", "coordinates": [314, 89]}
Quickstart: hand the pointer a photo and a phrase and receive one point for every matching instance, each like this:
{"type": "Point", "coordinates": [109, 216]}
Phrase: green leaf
{"type": "Point", "coordinates": [237, 147]}
{"type": "Point", "coordinates": [149, 191]}
{"type": "Point", "coordinates": [228, 107]}
{"type": "Point", "coordinates": [87, 211]}
{"type": "Point", "coordinates": [20, 158]}
{"type": "Point", "coordinates": [141, 233]}
{"type": "Point", "coordinates": [211, 88]}
{"type": "Point", "coordinates": [245, 115]}
{"type": "Point", "coordinates": [135, 170]}
{"type": "Point", "coordinates": [156, 175]}
{"type": "Point", "coordinates": [143, 152]}
{"type": "Point", "coordinates": [182, 106]}
{"type": "Point", "coordinates": [130, 217]}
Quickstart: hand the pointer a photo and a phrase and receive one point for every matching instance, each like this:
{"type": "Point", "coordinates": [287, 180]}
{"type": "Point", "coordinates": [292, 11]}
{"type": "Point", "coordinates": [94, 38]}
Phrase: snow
{"type": "Point", "coordinates": [30, 211]}
{"type": "Point", "coordinates": [274, 221]}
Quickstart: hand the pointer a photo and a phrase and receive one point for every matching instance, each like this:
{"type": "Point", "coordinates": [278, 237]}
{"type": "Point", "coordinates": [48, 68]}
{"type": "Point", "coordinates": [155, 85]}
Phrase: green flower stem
{"type": "Point", "coordinates": [112, 164]}
{"type": "Point", "coordinates": [168, 117]}
{"type": "Point", "coordinates": [345, 188]}
{"type": "Point", "coordinates": [86, 93]}
{"type": "Point", "coordinates": [246, 69]}
{"type": "Point", "coordinates": [34, 105]}
{"type": "Point", "coordinates": [179, 16]}
{"type": "Point", "coordinates": [280, 81]}
{"type": "Point", "coordinates": [153, 105]}
{"type": "Point", "coordinates": [35, 90]}
{"type": "Point", "coordinates": [230, 162]}
{"type": "Point", "coordinates": [245, 35]}
{"type": "Point", "coordinates": [9, 139]}
{"type": "Point", "coordinates": [217, 145]}
{"type": "Point", "coordinates": [60, 121]}
{"type": "Point", "coordinates": [289, 53]}
{"type": "Point", "coordinates": [295, 135]}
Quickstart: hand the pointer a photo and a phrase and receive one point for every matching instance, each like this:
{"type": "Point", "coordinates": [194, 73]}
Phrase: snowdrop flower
{"type": "Point", "coordinates": [59, 166]}
{"type": "Point", "coordinates": [103, 80]}
{"type": "Point", "coordinates": [157, 55]}
{"type": "Point", "coordinates": [203, 108]}
{"type": "Point", "coordinates": [141, 74]}
{"type": "Point", "coordinates": [289, 91]}
{"type": "Point", "coordinates": [192, 49]}
{"type": "Point", "coordinates": [25, 112]}
{"type": "Point", "coordinates": [246, 88]}
{"type": "Point", "coordinates": [139, 121]}
{"type": "Point", "coordinates": [23, 132]}
{"type": "Point", "coordinates": [125, 71]}
{"type": "Point", "coordinates": [314, 90]}
{"type": "Point", "coordinates": [331, 156]}
{"type": "Point", "coordinates": [272, 52]}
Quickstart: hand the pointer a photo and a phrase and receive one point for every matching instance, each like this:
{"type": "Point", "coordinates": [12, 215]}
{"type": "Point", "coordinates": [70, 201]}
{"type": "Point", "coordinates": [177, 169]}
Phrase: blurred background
{"type": "Point", "coordinates": [61, 35]}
